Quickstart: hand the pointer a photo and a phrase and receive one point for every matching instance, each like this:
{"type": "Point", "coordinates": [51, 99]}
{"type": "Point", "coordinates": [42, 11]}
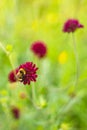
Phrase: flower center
{"type": "Point", "coordinates": [20, 75]}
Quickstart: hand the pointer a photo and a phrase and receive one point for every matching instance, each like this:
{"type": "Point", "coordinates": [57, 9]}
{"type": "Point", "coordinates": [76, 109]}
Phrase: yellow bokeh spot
{"type": "Point", "coordinates": [3, 92]}
{"type": "Point", "coordinates": [34, 25]}
{"type": "Point", "coordinates": [3, 100]}
{"type": "Point", "coordinates": [56, 1]}
{"type": "Point", "coordinates": [64, 126]}
{"type": "Point", "coordinates": [42, 102]}
{"type": "Point", "coordinates": [9, 47]}
{"type": "Point", "coordinates": [62, 57]}
{"type": "Point", "coordinates": [52, 18]}
{"type": "Point", "coordinates": [40, 128]}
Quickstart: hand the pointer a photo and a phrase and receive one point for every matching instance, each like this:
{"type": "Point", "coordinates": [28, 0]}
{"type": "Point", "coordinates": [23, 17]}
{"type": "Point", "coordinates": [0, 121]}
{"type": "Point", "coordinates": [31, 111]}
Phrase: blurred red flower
{"type": "Point", "coordinates": [71, 25]}
{"type": "Point", "coordinates": [39, 49]}
{"type": "Point", "coordinates": [15, 112]}
{"type": "Point", "coordinates": [12, 76]}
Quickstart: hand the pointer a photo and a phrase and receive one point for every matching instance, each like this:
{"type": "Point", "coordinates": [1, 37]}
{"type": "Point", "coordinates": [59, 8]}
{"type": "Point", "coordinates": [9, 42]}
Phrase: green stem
{"type": "Point", "coordinates": [3, 48]}
{"type": "Point", "coordinates": [33, 92]}
{"type": "Point", "coordinates": [5, 51]}
{"type": "Point", "coordinates": [77, 61]}
{"type": "Point", "coordinates": [34, 101]}
{"type": "Point", "coordinates": [9, 58]}
{"type": "Point", "coordinates": [34, 104]}
{"type": "Point", "coordinates": [32, 98]}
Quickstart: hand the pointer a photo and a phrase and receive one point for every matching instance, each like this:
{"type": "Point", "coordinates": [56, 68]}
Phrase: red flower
{"type": "Point", "coordinates": [12, 76]}
{"type": "Point", "coordinates": [27, 73]}
{"type": "Point", "coordinates": [15, 112]}
{"type": "Point", "coordinates": [39, 49]}
{"type": "Point", "coordinates": [71, 25]}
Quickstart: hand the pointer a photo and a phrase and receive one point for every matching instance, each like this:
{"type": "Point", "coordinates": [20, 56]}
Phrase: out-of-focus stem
{"type": "Point", "coordinates": [5, 51]}
{"type": "Point", "coordinates": [77, 60]}
{"type": "Point", "coordinates": [33, 92]}
{"type": "Point", "coordinates": [3, 48]}
{"type": "Point", "coordinates": [8, 56]}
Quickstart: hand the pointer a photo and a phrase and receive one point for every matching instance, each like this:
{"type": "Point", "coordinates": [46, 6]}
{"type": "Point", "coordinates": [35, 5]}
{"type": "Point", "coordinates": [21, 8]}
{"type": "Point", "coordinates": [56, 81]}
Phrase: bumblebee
{"type": "Point", "coordinates": [20, 75]}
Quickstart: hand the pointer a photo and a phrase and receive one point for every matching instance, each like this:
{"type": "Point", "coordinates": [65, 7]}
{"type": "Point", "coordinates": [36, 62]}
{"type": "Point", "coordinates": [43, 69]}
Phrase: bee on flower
{"type": "Point", "coordinates": [25, 73]}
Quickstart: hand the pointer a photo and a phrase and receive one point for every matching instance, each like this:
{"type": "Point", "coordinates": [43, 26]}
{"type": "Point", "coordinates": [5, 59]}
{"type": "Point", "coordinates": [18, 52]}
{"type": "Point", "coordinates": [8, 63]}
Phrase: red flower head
{"type": "Point", "coordinates": [12, 76]}
{"type": "Point", "coordinates": [39, 49]}
{"type": "Point", "coordinates": [27, 73]}
{"type": "Point", "coordinates": [71, 25]}
{"type": "Point", "coordinates": [15, 112]}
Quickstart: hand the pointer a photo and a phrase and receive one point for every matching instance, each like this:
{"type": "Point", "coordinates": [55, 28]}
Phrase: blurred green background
{"type": "Point", "coordinates": [57, 105]}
